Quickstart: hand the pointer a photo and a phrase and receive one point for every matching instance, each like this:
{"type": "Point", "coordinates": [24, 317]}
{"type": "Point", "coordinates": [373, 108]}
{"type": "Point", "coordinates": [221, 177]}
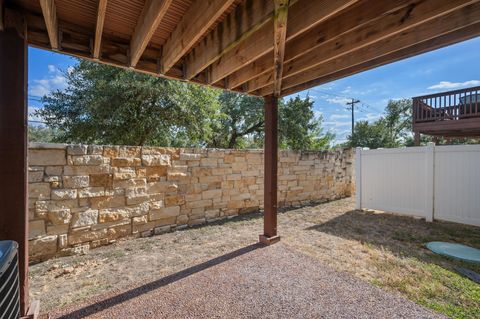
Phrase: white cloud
{"type": "Point", "coordinates": [54, 80]}
{"type": "Point", "coordinates": [335, 117]}
{"type": "Point", "coordinates": [453, 85]}
{"type": "Point", "coordinates": [338, 100]}
{"type": "Point", "coordinates": [317, 113]}
{"type": "Point", "coordinates": [370, 117]}
{"type": "Point", "coordinates": [347, 90]}
{"type": "Point", "coordinates": [337, 124]}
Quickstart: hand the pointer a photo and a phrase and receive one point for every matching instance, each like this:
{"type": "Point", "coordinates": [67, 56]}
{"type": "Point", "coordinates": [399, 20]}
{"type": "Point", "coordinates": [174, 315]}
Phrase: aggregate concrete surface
{"type": "Point", "coordinates": [253, 282]}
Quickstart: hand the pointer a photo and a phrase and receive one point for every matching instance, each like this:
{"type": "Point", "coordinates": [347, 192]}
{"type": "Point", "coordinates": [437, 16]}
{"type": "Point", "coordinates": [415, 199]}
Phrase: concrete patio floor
{"type": "Point", "coordinates": [252, 282]}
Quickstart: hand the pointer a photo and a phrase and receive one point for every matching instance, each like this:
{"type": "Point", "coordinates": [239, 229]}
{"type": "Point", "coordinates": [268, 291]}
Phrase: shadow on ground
{"type": "Point", "coordinates": [148, 287]}
{"type": "Point", "coordinates": [403, 236]}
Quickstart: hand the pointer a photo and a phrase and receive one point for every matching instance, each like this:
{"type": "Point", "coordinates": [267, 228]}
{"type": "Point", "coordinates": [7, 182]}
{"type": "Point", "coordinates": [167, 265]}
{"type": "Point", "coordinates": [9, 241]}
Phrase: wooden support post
{"type": "Point", "coordinates": [2, 19]}
{"type": "Point", "coordinates": [13, 144]}
{"type": "Point", "coordinates": [270, 161]}
{"type": "Point", "coordinates": [416, 139]}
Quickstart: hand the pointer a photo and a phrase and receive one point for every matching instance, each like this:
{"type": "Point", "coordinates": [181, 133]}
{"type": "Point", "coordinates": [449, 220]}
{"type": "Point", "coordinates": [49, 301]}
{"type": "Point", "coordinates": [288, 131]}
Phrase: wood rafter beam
{"type": "Point", "coordinates": [303, 15]}
{"type": "Point", "coordinates": [248, 17]}
{"type": "Point", "coordinates": [194, 24]}
{"type": "Point", "coordinates": [346, 21]}
{"type": "Point", "coordinates": [113, 54]}
{"type": "Point", "coordinates": [151, 16]}
{"type": "Point", "coordinates": [342, 69]}
{"type": "Point", "coordinates": [280, 34]}
{"type": "Point", "coordinates": [394, 24]}
{"type": "Point", "coordinates": [50, 15]}
{"type": "Point", "coordinates": [419, 48]}
{"type": "Point", "coordinates": [102, 9]}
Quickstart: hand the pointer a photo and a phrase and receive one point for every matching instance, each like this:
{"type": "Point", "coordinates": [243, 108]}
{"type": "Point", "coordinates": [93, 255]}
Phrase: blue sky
{"type": "Point", "coordinates": [445, 69]}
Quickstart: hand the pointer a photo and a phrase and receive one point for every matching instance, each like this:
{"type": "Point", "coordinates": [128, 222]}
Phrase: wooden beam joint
{"type": "Point", "coordinates": [151, 16]}
{"type": "Point", "coordinates": [196, 21]}
{"type": "Point", "coordinates": [101, 10]}
{"type": "Point", "coordinates": [2, 15]}
{"type": "Point", "coordinates": [15, 20]}
{"type": "Point", "coordinates": [50, 15]}
{"type": "Point", "coordinates": [280, 35]}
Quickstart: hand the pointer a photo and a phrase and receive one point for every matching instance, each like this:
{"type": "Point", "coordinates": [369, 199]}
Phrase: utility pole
{"type": "Point", "coordinates": [352, 108]}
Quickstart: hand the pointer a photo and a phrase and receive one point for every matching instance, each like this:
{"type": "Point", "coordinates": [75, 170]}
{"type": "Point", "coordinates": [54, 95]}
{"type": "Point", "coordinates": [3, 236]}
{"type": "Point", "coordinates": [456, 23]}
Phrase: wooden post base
{"type": "Point", "coordinates": [33, 311]}
{"type": "Point", "coordinates": [269, 240]}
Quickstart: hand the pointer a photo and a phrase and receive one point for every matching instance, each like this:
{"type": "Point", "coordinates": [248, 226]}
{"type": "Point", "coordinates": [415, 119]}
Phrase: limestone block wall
{"type": "Point", "coordinates": [84, 196]}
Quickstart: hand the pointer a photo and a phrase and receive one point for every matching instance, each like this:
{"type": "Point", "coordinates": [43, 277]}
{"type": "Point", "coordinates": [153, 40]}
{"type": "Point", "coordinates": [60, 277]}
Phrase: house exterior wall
{"type": "Point", "coordinates": [84, 196]}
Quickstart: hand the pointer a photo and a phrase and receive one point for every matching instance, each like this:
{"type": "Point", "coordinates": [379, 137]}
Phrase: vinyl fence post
{"type": "Point", "coordinates": [358, 178]}
{"type": "Point", "coordinates": [429, 181]}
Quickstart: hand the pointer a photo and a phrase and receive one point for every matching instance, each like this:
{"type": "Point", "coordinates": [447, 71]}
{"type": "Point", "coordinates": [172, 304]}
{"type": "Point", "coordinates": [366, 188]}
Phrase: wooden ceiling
{"type": "Point", "coordinates": [260, 47]}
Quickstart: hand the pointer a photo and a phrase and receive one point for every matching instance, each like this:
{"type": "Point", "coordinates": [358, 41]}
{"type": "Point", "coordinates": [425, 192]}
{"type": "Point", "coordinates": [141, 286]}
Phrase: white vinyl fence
{"type": "Point", "coordinates": [434, 182]}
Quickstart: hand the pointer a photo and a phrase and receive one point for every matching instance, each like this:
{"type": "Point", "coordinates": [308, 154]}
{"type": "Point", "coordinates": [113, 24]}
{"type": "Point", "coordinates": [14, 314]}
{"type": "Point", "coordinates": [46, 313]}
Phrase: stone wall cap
{"type": "Point", "coordinates": [49, 146]}
{"type": "Point", "coordinates": [197, 150]}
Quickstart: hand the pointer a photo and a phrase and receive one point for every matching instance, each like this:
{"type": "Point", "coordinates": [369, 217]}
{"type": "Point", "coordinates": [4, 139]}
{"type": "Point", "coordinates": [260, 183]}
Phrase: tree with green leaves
{"type": "Point", "coordinates": [371, 135]}
{"type": "Point", "coordinates": [393, 129]}
{"type": "Point", "coordinates": [108, 105]}
{"type": "Point", "coordinates": [42, 134]}
{"type": "Point", "coordinates": [241, 124]}
{"type": "Point", "coordinates": [299, 128]}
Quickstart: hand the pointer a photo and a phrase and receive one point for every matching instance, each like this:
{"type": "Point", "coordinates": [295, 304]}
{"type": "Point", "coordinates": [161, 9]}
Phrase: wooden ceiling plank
{"type": "Point", "coordinates": [151, 16]}
{"type": "Point", "coordinates": [280, 34]}
{"type": "Point", "coordinates": [50, 16]}
{"type": "Point", "coordinates": [348, 20]}
{"type": "Point", "coordinates": [392, 24]}
{"type": "Point", "coordinates": [194, 24]}
{"type": "Point", "coordinates": [450, 38]}
{"type": "Point", "coordinates": [246, 19]}
{"type": "Point", "coordinates": [303, 15]}
{"type": "Point", "coordinates": [102, 9]}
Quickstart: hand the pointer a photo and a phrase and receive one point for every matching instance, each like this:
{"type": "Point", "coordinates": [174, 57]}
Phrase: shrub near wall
{"type": "Point", "coordinates": [82, 196]}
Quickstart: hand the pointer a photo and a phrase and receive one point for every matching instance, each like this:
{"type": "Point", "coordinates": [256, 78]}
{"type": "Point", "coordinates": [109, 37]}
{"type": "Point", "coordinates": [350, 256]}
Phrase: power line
{"type": "Point", "coordinates": [36, 121]}
{"type": "Point", "coordinates": [361, 109]}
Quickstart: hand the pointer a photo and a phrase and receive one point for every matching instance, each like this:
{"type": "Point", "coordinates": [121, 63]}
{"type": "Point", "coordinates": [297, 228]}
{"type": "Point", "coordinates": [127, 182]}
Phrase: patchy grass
{"type": "Point", "coordinates": [383, 249]}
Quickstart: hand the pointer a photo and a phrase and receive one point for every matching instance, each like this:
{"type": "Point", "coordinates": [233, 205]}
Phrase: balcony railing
{"type": "Point", "coordinates": [447, 106]}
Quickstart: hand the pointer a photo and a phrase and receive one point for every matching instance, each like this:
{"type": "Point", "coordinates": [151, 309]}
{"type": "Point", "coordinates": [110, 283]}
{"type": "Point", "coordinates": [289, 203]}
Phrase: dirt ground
{"type": "Point", "coordinates": [383, 249]}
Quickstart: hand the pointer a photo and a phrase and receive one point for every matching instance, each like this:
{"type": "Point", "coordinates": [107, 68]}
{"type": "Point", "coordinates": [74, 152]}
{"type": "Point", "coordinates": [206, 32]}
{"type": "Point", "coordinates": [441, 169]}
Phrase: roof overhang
{"type": "Point", "coordinates": [248, 46]}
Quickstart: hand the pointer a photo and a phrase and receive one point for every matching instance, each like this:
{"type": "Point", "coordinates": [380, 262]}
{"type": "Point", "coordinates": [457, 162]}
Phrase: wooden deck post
{"type": "Point", "coordinates": [269, 235]}
{"type": "Point", "coordinates": [416, 138]}
{"type": "Point", "coordinates": [13, 144]}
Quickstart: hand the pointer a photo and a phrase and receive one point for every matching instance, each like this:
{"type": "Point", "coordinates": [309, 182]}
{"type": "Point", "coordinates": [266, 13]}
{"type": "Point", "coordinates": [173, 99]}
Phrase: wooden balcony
{"type": "Point", "coordinates": [449, 114]}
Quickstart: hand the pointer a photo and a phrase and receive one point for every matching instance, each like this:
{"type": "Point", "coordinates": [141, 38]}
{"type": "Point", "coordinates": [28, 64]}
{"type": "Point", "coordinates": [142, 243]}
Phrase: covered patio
{"type": "Point", "coordinates": [244, 284]}
{"type": "Point", "coordinates": [267, 48]}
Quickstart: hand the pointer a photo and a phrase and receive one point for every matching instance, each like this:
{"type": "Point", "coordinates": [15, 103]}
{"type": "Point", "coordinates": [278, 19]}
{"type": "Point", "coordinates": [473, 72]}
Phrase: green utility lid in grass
{"type": "Point", "coordinates": [456, 251]}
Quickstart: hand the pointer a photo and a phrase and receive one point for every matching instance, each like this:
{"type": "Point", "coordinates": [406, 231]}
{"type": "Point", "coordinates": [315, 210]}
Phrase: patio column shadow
{"type": "Point", "coordinates": [133, 293]}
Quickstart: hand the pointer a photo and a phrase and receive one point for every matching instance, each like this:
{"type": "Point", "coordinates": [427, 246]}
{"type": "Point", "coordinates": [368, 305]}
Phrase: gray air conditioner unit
{"type": "Point", "coordinates": [9, 286]}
